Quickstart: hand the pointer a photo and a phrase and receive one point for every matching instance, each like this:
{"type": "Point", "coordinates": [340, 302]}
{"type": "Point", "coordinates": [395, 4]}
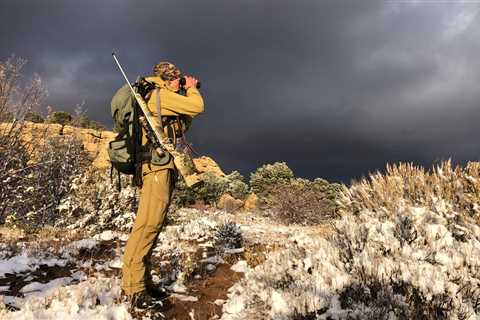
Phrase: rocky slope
{"type": "Point", "coordinates": [95, 143]}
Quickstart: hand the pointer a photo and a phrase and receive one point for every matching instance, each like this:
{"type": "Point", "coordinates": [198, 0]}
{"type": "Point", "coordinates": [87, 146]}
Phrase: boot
{"type": "Point", "coordinates": [142, 301]}
{"type": "Point", "coordinates": [157, 292]}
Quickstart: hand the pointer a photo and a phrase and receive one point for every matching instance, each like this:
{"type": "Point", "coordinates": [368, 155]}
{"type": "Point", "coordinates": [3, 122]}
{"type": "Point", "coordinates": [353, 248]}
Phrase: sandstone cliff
{"type": "Point", "coordinates": [95, 143]}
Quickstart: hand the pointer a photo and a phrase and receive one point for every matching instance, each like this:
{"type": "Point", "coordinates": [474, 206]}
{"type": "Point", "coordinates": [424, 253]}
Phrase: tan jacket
{"type": "Point", "coordinates": [172, 104]}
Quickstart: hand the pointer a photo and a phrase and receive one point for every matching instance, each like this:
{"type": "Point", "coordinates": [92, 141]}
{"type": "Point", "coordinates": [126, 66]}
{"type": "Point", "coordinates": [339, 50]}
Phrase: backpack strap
{"type": "Point", "coordinates": [159, 107]}
{"type": "Point", "coordinates": [119, 185]}
{"type": "Point", "coordinates": [111, 173]}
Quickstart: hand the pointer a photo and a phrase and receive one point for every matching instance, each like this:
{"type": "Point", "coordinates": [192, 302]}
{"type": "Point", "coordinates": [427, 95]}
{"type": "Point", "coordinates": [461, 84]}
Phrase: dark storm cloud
{"type": "Point", "coordinates": [335, 88]}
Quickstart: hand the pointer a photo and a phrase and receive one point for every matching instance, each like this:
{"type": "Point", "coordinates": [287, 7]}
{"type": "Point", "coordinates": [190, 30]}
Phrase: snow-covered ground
{"type": "Point", "coordinates": [77, 277]}
{"type": "Point", "coordinates": [416, 262]}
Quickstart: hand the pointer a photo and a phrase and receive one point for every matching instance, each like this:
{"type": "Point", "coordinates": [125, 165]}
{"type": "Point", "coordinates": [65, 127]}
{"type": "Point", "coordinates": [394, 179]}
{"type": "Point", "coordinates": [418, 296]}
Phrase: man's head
{"type": "Point", "coordinates": [167, 71]}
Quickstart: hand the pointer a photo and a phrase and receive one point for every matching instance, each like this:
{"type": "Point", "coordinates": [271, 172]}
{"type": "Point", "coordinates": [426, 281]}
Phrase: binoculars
{"type": "Point", "coordinates": [183, 82]}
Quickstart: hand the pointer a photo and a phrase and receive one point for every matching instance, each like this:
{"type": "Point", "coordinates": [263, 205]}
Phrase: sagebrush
{"type": "Point", "coordinates": [406, 247]}
{"type": "Point", "coordinates": [210, 191]}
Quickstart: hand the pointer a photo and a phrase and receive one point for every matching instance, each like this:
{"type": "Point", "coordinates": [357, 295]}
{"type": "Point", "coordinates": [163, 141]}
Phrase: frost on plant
{"type": "Point", "coordinates": [228, 236]}
{"type": "Point", "coordinates": [94, 203]}
{"type": "Point", "coordinates": [45, 180]}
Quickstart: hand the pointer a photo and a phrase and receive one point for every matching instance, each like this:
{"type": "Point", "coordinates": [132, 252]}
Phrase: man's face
{"type": "Point", "coordinates": [175, 84]}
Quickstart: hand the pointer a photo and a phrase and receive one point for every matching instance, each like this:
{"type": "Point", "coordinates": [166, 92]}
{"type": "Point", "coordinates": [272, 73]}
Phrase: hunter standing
{"type": "Point", "coordinates": [157, 179]}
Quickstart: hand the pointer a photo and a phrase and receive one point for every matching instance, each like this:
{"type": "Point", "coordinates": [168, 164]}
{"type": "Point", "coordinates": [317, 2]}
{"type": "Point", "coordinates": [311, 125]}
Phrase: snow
{"type": "Point", "coordinates": [234, 251]}
{"type": "Point", "coordinates": [76, 246]}
{"type": "Point", "coordinates": [93, 299]}
{"type": "Point", "coordinates": [178, 287]}
{"type": "Point", "coordinates": [241, 266]}
{"type": "Point", "coordinates": [184, 298]}
{"type": "Point", "coordinates": [106, 235]}
{"type": "Point", "coordinates": [234, 306]}
{"type": "Point", "coordinates": [37, 287]}
{"type": "Point", "coordinates": [117, 263]}
{"type": "Point", "coordinates": [279, 305]}
{"type": "Point", "coordinates": [24, 262]}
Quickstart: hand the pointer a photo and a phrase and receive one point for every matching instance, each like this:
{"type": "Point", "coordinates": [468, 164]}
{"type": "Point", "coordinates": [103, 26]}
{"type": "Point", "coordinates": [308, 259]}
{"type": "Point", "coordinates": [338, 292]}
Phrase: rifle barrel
{"type": "Point", "coordinates": [121, 70]}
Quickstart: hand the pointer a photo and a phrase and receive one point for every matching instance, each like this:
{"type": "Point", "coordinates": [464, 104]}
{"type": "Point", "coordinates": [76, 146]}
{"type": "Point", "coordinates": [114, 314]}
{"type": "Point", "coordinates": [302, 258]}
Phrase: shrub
{"type": "Point", "coordinates": [235, 186]}
{"type": "Point", "coordinates": [16, 100]}
{"type": "Point", "coordinates": [35, 117]}
{"type": "Point", "coordinates": [94, 203]}
{"type": "Point", "coordinates": [34, 197]}
{"type": "Point", "coordinates": [270, 176]}
{"type": "Point", "coordinates": [406, 184]}
{"type": "Point", "coordinates": [228, 236]}
{"type": "Point", "coordinates": [305, 202]}
{"type": "Point", "coordinates": [59, 117]}
{"type": "Point", "coordinates": [210, 191]}
{"type": "Point", "coordinates": [405, 248]}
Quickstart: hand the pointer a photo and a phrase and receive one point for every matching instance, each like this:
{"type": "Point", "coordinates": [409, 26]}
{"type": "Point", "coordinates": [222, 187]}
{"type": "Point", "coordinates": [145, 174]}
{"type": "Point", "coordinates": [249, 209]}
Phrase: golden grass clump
{"type": "Point", "coordinates": [402, 185]}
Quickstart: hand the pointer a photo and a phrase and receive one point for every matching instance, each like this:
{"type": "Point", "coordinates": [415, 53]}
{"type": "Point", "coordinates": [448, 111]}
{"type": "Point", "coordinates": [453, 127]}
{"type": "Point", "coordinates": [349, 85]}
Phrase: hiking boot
{"type": "Point", "coordinates": [157, 292]}
{"type": "Point", "coordinates": [142, 301]}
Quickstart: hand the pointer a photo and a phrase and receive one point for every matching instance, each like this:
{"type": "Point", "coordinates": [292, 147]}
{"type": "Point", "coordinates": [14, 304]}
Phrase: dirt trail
{"type": "Point", "coordinates": [208, 290]}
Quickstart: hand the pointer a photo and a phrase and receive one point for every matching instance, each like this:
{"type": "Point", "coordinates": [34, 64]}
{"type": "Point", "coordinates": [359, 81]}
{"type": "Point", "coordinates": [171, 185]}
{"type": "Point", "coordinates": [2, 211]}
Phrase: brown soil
{"type": "Point", "coordinates": [207, 291]}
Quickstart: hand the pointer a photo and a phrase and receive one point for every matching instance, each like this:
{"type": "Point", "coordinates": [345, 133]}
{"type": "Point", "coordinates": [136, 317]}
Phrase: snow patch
{"type": "Point", "coordinates": [241, 267]}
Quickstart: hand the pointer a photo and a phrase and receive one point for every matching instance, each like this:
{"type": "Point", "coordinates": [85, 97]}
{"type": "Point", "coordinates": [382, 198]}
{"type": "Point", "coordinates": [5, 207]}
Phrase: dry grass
{"type": "Point", "coordinates": [406, 185]}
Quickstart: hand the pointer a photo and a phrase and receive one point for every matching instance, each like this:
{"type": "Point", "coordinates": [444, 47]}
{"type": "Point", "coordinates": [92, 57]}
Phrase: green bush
{"type": "Point", "coordinates": [60, 117]}
{"type": "Point", "coordinates": [235, 186]}
{"type": "Point", "coordinates": [35, 117]}
{"type": "Point", "coordinates": [210, 191]}
{"type": "Point", "coordinates": [269, 177]}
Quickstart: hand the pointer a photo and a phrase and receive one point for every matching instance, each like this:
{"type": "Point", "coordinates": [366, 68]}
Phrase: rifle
{"type": "Point", "coordinates": [160, 142]}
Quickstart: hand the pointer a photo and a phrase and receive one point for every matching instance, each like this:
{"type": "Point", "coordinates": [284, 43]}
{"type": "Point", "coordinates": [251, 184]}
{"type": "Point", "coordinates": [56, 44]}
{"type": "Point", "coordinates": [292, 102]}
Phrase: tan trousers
{"type": "Point", "coordinates": [154, 200]}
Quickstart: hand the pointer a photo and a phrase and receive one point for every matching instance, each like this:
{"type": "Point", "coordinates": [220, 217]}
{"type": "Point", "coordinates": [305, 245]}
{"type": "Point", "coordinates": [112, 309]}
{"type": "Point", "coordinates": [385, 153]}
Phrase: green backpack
{"type": "Point", "coordinates": [123, 149]}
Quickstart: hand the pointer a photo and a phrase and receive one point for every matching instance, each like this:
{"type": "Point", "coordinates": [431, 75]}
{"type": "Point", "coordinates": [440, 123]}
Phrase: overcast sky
{"type": "Point", "coordinates": [335, 88]}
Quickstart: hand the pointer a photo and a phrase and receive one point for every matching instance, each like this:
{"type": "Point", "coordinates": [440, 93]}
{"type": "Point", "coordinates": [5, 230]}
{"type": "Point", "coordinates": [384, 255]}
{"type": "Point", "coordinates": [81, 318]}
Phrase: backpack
{"type": "Point", "coordinates": [122, 150]}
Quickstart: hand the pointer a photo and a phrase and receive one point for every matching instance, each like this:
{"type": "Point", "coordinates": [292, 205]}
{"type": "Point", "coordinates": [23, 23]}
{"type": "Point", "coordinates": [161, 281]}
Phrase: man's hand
{"type": "Point", "coordinates": [191, 82]}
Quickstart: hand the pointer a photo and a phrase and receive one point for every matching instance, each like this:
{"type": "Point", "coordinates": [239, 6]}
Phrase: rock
{"type": "Point", "coordinates": [229, 203]}
{"type": "Point", "coordinates": [210, 267]}
{"type": "Point", "coordinates": [207, 164]}
{"type": "Point", "coordinates": [95, 143]}
{"type": "Point", "coordinates": [251, 202]}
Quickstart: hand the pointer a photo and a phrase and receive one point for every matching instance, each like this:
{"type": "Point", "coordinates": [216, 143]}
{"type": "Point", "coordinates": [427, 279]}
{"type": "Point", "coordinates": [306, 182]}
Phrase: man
{"type": "Point", "coordinates": [157, 176]}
